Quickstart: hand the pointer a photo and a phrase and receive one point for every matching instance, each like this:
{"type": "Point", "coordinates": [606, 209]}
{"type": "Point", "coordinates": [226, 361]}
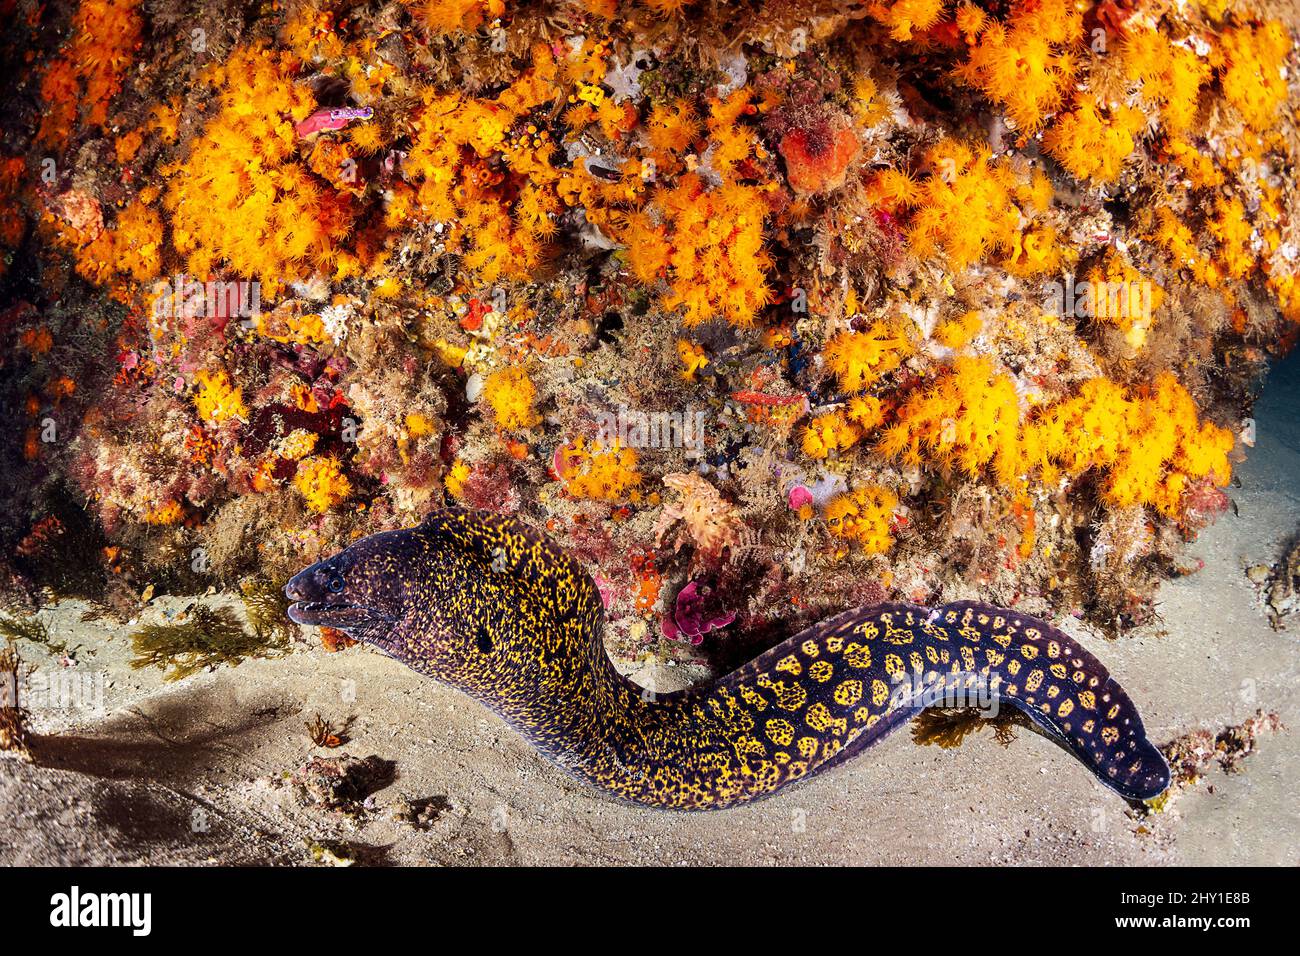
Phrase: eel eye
{"type": "Point", "coordinates": [336, 584]}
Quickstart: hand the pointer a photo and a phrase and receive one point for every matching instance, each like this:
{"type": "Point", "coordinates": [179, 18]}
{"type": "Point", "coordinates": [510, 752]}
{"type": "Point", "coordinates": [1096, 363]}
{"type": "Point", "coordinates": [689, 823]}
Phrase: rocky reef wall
{"type": "Point", "coordinates": [761, 309]}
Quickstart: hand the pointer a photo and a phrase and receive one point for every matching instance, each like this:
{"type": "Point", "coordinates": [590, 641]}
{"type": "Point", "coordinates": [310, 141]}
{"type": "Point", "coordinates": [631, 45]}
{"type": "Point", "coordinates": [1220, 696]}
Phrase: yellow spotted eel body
{"type": "Point", "coordinates": [486, 605]}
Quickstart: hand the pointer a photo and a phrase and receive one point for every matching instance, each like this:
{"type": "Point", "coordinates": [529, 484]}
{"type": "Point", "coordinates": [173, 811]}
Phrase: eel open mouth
{"type": "Point", "coordinates": [340, 615]}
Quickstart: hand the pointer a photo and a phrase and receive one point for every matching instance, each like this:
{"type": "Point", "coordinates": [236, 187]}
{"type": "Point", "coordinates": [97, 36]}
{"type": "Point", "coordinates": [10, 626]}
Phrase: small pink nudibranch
{"type": "Point", "coordinates": [338, 118]}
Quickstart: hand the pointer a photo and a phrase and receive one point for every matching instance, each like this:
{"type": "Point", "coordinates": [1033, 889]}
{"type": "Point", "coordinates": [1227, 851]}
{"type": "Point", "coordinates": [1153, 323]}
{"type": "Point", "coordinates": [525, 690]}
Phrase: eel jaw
{"type": "Point", "coordinates": [339, 615]}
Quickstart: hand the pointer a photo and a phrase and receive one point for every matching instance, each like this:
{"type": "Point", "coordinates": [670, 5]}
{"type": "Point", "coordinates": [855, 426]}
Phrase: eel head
{"type": "Point", "coordinates": [347, 593]}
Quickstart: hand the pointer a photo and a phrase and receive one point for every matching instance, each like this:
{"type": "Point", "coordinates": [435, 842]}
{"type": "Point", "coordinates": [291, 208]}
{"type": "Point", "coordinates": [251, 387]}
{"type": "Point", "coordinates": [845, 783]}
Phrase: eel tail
{"type": "Point", "coordinates": [1064, 690]}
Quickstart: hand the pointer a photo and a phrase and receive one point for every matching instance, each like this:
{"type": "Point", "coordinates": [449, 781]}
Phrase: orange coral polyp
{"type": "Point", "coordinates": [860, 359]}
{"type": "Point", "coordinates": [972, 207]}
{"type": "Point", "coordinates": [906, 17]}
{"type": "Point", "coordinates": [708, 248]}
{"type": "Point", "coordinates": [1143, 442]}
{"type": "Point", "coordinates": [1093, 143]}
{"type": "Point", "coordinates": [217, 398]}
{"type": "Point", "coordinates": [1252, 57]}
{"type": "Point", "coordinates": [91, 67]}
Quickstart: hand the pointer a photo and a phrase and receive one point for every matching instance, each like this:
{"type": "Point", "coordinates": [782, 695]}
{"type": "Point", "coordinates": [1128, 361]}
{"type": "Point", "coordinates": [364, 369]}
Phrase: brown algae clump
{"type": "Point", "coordinates": [206, 638]}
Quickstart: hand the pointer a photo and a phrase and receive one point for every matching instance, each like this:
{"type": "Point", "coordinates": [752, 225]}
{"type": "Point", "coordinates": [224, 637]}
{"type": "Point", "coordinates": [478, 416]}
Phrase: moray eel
{"type": "Point", "coordinates": [484, 604]}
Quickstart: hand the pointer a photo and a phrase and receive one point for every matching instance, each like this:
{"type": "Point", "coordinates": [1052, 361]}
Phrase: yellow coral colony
{"type": "Point", "coordinates": [1027, 62]}
{"type": "Point", "coordinates": [970, 206]}
{"type": "Point", "coordinates": [863, 516]}
{"type": "Point", "coordinates": [217, 399]}
{"type": "Point", "coordinates": [89, 72]}
{"type": "Point", "coordinates": [322, 483]}
{"type": "Point", "coordinates": [512, 396]}
{"type": "Point", "coordinates": [601, 473]}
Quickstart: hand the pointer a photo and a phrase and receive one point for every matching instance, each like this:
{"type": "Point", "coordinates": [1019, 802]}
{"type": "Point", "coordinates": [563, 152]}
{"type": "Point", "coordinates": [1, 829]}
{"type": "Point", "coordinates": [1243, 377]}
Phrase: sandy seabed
{"type": "Point", "coordinates": [192, 772]}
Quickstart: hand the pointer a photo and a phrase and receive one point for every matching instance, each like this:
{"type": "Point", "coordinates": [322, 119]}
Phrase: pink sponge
{"type": "Point", "coordinates": [694, 615]}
